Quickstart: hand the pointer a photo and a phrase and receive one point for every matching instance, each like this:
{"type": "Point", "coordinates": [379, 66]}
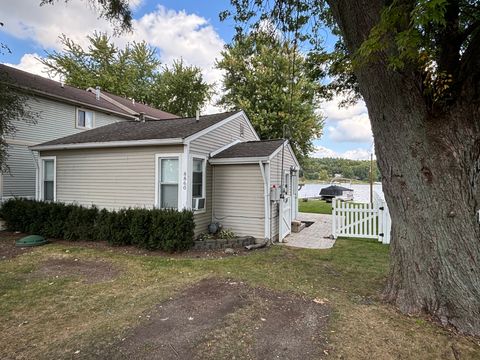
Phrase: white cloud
{"type": "Point", "coordinates": [30, 63]}
{"type": "Point", "coordinates": [354, 129]}
{"type": "Point", "coordinates": [333, 112]}
{"type": "Point", "coordinates": [355, 154]}
{"type": "Point", "coordinates": [175, 34]}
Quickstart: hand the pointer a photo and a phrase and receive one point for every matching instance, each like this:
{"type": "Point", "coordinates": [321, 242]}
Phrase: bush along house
{"type": "Point", "coordinates": [215, 165]}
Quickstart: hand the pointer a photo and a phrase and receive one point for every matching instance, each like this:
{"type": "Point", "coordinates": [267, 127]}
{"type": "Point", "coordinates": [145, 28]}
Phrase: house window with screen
{"type": "Point", "coordinates": [48, 180]}
{"type": "Point", "coordinates": [242, 130]}
{"type": "Point", "coordinates": [198, 181]}
{"type": "Point", "coordinates": [168, 186]}
{"type": "Point", "coordinates": [84, 119]}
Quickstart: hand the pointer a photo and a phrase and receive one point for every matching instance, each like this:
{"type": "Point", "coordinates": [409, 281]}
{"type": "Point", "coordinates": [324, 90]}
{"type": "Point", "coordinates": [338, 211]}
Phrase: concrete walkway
{"type": "Point", "coordinates": [315, 236]}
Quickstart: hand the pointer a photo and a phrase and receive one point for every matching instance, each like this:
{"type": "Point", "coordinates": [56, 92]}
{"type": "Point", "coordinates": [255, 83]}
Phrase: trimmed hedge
{"type": "Point", "coordinates": [168, 230]}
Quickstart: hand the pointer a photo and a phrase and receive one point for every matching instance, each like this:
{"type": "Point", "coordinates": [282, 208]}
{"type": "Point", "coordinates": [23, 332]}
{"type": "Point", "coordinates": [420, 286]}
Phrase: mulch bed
{"type": "Point", "coordinates": [220, 319]}
{"type": "Point", "coordinates": [8, 249]}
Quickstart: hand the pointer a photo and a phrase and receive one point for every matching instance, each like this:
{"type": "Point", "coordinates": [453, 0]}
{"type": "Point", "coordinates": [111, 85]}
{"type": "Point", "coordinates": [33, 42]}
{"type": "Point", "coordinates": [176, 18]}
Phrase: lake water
{"type": "Point", "coordinates": [361, 192]}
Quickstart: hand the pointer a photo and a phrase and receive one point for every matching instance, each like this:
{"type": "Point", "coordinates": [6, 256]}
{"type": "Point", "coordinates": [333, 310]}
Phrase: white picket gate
{"type": "Point", "coordinates": [362, 220]}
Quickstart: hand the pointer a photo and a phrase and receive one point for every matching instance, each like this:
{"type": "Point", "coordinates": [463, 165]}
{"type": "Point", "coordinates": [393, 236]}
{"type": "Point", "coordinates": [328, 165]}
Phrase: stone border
{"type": "Point", "coordinates": [216, 244]}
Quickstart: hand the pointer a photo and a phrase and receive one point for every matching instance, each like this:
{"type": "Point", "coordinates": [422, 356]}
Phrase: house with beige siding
{"type": "Point", "coordinates": [215, 165]}
{"type": "Point", "coordinates": [58, 110]}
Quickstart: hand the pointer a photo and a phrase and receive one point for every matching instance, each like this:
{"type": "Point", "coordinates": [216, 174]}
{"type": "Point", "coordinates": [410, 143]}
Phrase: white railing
{"type": "Point", "coordinates": [361, 220]}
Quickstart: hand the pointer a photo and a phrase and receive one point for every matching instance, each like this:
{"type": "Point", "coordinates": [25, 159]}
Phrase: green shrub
{"type": "Point", "coordinates": [167, 230]}
{"type": "Point", "coordinates": [226, 234]}
{"type": "Point", "coordinates": [80, 223]}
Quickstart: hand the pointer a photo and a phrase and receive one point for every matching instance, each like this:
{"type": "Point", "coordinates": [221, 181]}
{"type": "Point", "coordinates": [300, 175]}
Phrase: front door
{"type": "Point", "coordinates": [286, 208]}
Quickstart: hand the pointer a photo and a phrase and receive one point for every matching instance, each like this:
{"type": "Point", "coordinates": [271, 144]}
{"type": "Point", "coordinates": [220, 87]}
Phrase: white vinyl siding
{"type": "Point", "coordinates": [222, 136]}
{"type": "Point", "coordinates": [108, 178]}
{"type": "Point", "coordinates": [239, 199]}
{"type": "Point", "coordinates": [275, 179]}
{"type": "Point", "coordinates": [53, 120]}
{"type": "Point", "coordinates": [212, 141]}
{"type": "Point", "coordinates": [20, 180]}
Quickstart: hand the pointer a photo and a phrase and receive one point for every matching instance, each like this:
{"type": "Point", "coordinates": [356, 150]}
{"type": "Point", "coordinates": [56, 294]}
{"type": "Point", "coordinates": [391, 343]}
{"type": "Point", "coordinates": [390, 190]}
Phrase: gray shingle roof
{"type": "Point", "coordinates": [141, 108]}
{"type": "Point", "coordinates": [148, 130]}
{"type": "Point", "coordinates": [261, 148]}
{"type": "Point", "coordinates": [48, 87]}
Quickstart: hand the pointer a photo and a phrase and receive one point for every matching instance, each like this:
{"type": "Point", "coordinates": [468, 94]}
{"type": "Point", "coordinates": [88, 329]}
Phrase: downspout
{"type": "Point", "coordinates": [266, 201]}
{"type": "Point", "coordinates": [213, 192]}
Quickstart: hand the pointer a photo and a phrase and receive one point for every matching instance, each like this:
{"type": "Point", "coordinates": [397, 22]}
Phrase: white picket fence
{"type": "Point", "coordinates": [362, 220]}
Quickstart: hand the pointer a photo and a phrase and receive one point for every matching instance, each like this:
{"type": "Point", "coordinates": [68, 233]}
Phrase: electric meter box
{"type": "Point", "coordinates": [275, 193]}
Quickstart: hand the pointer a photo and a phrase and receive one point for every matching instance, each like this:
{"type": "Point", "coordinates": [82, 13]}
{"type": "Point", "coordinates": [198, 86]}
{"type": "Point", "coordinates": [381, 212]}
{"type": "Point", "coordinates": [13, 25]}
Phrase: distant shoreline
{"type": "Point", "coordinates": [322, 182]}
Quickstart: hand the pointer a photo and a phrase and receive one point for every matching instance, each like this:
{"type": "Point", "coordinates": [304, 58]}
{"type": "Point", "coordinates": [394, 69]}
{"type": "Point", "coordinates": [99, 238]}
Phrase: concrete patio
{"type": "Point", "coordinates": [315, 236]}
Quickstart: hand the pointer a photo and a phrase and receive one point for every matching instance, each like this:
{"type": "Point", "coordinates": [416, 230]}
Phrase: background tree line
{"type": "Point", "coordinates": [326, 168]}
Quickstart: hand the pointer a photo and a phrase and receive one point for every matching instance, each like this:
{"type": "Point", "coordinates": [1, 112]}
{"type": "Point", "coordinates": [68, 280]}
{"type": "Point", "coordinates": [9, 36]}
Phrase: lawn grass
{"type": "Point", "coordinates": [45, 318]}
{"type": "Point", "coordinates": [315, 206]}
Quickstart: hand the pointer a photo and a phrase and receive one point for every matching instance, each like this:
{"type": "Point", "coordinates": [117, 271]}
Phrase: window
{"type": "Point", "coordinates": [198, 184]}
{"type": "Point", "coordinates": [242, 130]}
{"type": "Point", "coordinates": [48, 179]}
{"type": "Point", "coordinates": [168, 184]}
{"type": "Point", "coordinates": [84, 119]}
{"type": "Point", "coordinates": [287, 183]}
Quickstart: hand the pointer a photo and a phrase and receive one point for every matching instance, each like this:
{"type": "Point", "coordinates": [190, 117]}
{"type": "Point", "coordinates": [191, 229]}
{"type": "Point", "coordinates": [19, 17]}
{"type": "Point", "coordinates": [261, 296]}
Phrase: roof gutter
{"type": "Point", "coordinates": [239, 160]}
{"type": "Point", "coordinates": [108, 144]}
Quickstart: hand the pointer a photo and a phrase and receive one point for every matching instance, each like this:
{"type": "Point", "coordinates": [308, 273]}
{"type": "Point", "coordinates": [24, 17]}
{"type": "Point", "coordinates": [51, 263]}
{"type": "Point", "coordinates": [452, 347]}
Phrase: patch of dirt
{"type": "Point", "coordinates": [216, 319]}
{"type": "Point", "coordinates": [132, 250]}
{"type": "Point", "coordinates": [8, 250]}
{"type": "Point", "coordinates": [91, 271]}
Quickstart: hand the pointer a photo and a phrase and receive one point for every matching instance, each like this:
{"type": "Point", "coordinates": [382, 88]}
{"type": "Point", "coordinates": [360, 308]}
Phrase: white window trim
{"type": "Point", "coordinates": [76, 119]}
{"type": "Point", "coordinates": [204, 181]}
{"type": "Point", "coordinates": [42, 177]}
{"type": "Point", "coordinates": [157, 177]}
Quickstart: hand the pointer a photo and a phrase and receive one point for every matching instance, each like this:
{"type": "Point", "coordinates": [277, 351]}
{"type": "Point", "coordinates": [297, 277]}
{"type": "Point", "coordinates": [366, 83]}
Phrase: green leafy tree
{"type": "Point", "coordinates": [326, 168]}
{"type": "Point", "coordinates": [257, 79]}
{"type": "Point", "coordinates": [133, 72]}
{"type": "Point", "coordinates": [181, 89]}
{"type": "Point", "coordinates": [416, 63]}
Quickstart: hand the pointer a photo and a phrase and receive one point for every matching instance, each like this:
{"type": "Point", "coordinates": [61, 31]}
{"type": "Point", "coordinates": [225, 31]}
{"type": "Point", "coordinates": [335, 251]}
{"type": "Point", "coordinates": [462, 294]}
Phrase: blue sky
{"type": "Point", "coordinates": [177, 28]}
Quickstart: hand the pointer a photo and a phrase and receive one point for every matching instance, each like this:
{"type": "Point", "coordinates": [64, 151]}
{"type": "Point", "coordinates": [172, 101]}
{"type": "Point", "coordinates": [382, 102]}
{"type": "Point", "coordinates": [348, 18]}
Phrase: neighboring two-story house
{"type": "Point", "coordinates": [60, 110]}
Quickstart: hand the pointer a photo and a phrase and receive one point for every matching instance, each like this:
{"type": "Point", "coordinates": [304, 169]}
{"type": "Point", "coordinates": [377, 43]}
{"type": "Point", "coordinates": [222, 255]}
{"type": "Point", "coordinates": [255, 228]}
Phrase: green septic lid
{"type": "Point", "coordinates": [31, 240]}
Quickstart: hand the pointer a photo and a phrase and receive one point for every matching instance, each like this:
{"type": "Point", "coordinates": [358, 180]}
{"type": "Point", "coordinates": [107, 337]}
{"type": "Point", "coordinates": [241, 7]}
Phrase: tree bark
{"type": "Point", "coordinates": [430, 165]}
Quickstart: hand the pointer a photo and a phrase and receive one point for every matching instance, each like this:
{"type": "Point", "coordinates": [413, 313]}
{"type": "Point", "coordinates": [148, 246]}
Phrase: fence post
{"type": "Point", "coordinates": [388, 225]}
{"type": "Point", "coordinates": [334, 218]}
{"type": "Point", "coordinates": [381, 212]}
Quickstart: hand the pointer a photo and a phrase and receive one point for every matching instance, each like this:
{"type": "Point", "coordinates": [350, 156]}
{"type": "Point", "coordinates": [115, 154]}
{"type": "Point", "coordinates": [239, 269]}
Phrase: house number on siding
{"type": "Point", "coordinates": [184, 181]}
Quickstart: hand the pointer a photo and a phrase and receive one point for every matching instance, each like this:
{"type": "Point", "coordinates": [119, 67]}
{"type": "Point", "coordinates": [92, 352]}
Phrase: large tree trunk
{"type": "Point", "coordinates": [430, 165]}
